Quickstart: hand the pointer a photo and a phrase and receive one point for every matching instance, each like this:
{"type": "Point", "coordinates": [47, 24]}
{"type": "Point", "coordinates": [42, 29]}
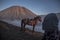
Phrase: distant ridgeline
{"type": "Point", "coordinates": [58, 15]}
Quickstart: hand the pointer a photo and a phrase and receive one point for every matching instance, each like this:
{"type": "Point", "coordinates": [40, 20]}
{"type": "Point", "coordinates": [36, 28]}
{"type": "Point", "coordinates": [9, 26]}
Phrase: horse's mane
{"type": "Point", "coordinates": [37, 17]}
{"type": "Point", "coordinates": [28, 19]}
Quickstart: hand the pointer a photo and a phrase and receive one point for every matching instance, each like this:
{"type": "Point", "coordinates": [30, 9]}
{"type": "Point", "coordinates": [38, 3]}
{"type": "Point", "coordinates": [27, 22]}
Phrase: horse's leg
{"type": "Point", "coordinates": [33, 28]}
{"type": "Point", "coordinates": [24, 27]}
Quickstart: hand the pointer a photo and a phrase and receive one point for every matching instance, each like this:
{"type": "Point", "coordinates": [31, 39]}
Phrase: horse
{"type": "Point", "coordinates": [31, 22]}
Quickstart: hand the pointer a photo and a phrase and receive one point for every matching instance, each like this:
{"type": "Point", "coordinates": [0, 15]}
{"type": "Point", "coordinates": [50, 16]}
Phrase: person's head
{"type": "Point", "coordinates": [50, 21]}
{"type": "Point", "coordinates": [52, 16]}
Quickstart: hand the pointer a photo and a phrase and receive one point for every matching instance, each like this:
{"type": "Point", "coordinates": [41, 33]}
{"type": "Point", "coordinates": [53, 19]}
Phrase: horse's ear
{"type": "Point", "coordinates": [39, 16]}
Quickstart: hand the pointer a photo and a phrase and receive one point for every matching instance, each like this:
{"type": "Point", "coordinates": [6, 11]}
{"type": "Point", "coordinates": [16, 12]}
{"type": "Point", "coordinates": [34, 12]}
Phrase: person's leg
{"type": "Point", "coordinates": [57, 35]}
{"type": "Point", "coordinates": [45, 35]}
{"type": "Point", "coordinates": [53, 35]}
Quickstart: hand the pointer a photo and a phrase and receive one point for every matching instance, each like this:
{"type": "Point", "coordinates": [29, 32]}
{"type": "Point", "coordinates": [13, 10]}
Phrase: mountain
{"type": "Point", "coordinates": [16, 12]}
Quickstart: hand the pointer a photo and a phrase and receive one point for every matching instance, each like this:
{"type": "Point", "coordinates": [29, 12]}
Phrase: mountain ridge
{"type": "Point", "coordinates": [16, 12]}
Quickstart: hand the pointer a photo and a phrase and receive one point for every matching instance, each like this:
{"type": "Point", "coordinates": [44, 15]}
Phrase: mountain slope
{"type": "Point", "coordinates": [16, 12]}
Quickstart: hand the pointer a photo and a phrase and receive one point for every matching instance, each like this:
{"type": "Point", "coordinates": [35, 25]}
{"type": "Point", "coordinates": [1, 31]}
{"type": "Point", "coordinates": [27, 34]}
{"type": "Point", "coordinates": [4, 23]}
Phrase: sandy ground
{"type": "Point", "coordinates": [11, 32]}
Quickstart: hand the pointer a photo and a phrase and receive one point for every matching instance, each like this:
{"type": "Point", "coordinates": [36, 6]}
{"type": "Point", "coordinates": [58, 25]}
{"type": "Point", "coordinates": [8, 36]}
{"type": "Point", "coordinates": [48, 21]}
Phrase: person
{"type": "Point", "coordinates": [50, 26]}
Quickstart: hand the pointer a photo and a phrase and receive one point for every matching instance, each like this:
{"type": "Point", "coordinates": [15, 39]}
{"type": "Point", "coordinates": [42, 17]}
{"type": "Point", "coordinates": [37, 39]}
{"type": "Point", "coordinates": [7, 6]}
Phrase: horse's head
{"type": "Point", "coordinates": [38, 18]}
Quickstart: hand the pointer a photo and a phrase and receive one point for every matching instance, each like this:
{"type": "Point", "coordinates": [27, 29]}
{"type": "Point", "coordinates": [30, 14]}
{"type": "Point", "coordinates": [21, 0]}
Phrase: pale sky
{"type": "Point", "coordinates": [39, 7]}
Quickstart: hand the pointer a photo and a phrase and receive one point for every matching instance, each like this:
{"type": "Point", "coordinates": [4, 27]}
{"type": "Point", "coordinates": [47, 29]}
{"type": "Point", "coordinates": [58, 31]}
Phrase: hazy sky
{"type": "Point", "coordinates": [39, 7]}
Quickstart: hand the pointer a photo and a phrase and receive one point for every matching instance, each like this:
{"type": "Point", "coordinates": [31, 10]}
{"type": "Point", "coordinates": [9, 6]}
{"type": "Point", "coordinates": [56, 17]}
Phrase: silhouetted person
{"type": "Point", "coordinates": [50, 26]}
